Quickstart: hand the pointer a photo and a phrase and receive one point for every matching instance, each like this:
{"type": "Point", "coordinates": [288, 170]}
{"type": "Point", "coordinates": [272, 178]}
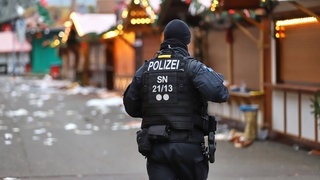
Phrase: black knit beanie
{"type": "Point", "coordinates": [177, 29]}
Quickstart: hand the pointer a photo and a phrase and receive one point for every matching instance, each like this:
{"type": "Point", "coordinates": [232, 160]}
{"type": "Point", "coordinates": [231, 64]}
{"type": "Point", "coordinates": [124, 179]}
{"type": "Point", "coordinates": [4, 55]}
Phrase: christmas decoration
{"type": "Point", "coordinates": [44, 13]}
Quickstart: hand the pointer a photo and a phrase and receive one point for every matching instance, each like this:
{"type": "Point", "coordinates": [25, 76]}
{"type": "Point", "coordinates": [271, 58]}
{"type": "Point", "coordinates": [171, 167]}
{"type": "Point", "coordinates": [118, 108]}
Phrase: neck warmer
{"type": "Point", "coordinates": [176, 46]}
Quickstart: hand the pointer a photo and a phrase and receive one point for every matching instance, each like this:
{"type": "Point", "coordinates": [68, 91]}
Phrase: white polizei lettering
{"type": "Point", "coordinates": [156, 65]}
{"type": "Point", "coordinates": [168, 64]}
{"type": "Point", "coordinates": [175, 64]}
{"type": "Point", "coordinates": [160, 65]}
{"type": "Point", "coordinates": [150, 65]}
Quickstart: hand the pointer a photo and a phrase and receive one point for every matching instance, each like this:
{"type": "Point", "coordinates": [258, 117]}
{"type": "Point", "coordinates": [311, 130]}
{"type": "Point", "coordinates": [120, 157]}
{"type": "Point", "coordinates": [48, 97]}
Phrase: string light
{"type": "Point", "coordinates": [67, 31]}
{"type": "Point", "coordinates": [281, 24]}
{"type": "Point", "coordinates": [296, 21]}
{"type": "Point", "coordinates": [142, 15]}
{"type": "Point", "coordinates": [280, 34]}
{"type": "Point", "coordinates": [214, 5]}
{"type": "Point", "coordinates": [110, 34]}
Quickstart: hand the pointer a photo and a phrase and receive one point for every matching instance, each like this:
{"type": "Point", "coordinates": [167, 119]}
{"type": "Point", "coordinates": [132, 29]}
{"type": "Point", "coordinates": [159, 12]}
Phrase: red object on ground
{"type": "Point", "coordinates": [28, 68]}
{"type": "Point", "coordinates": [55, 71]}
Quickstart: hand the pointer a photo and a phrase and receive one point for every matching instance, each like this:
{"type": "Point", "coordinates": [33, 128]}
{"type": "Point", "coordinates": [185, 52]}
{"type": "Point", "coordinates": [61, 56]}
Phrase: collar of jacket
{"type": "Point", "coordinates": [176, 46]}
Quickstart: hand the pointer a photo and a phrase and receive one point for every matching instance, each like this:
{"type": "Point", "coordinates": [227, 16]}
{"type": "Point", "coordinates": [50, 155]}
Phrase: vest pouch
{"type": "Point", "coordinates": [144, 144]}
{"type": "Point", "coordinates": [158, 133]}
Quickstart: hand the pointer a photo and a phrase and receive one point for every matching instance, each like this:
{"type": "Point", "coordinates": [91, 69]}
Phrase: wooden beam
{"type": "Point", "coordinates": [250, 20]}
{"type": "Point", "coordinates": [261, 59]}
{"type": "Point", "coordinates": [126, 41]}
{"type": "Point", "coordinates": [230, 62]}
{"type": "Point", "coordinates": [305, 10]}
{"type": "Point", "coordinates": [246, 32]}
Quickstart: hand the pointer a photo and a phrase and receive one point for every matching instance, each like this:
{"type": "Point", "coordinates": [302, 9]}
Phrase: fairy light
{"type": "Point", "coordinates": [65, 35]}
{"type": "Point", "coordinates": [280, 32]}
{"type": "Point", "coordinates": [110, 34]}
{"type": "Point", "coordinates": [124, 14]}
{"type": "Point", "coordinates": [136, 2]}
{"type": "Point", "coordinates": [214, 5]}
{"type": "Point", "coordinates": [281, 24]}
{"type": "Point", "coordinates": [296, 21]}
{"type": "Point", "coordinates": [55, 43]}
{"type": "Point", "coordinates": [145, 15]}
{"type": "Point", "coordinates": [120, 27]}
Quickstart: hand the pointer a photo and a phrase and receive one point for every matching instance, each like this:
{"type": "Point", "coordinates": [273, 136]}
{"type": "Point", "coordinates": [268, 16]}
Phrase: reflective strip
{"type": "Point", "coordinates": [164, 56]}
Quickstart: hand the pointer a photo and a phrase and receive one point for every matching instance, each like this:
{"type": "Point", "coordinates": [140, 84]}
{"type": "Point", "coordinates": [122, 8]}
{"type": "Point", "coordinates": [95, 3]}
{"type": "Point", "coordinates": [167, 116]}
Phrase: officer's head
{"type": "Point", "coordinates": [177, 29]}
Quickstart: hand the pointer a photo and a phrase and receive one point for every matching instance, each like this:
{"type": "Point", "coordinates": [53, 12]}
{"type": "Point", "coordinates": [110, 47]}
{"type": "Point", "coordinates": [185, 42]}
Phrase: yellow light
{"type": "Point", "coordinates": [280, 32]}
{"type": "Point", "coordinates": [214, 5]}
{"type": "Point", "coordinates": [296, 21]}
{"type": "Point", "coordinates": [66, 35]}
{"type": "Point", "coordinates": [153, 17]}
{"type": "Point", "coordinates": [136, 21]}
{"type": "Point", "coordinates": [120, 27]}
{"type": "Point", "coordinates": [110, 34]}
{"type": "Point", "coordinates": [67, 24]}
{"type": "Point", "coordinates": [136, 2]}
{"type": "Point", "coordinates": [148, 9]}
{"type": "Point", "coordinates": [145, 3]}
{"type": "Point", "coordinates": [280, 35]}
{"type": "Point", "coordinates": [279, 28]}
{"type": "Point", "coordinates": [61, 34]}
{"type": "Point", "coordinates": [124, 14]}
{"type": "Point", "coordinates": [55, 43]}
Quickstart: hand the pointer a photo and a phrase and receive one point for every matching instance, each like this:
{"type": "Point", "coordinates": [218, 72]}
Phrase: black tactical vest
{"type": "Point", "coordinates": [169, 96]}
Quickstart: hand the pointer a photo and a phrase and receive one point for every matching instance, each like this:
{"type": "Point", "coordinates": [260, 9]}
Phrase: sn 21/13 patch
{"type": "Point", "coordinates": [163, 87]}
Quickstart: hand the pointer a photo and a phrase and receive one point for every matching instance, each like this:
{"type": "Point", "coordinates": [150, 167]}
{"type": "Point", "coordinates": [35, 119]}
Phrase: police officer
{"type": "Point", "coordinates": [170, 93]}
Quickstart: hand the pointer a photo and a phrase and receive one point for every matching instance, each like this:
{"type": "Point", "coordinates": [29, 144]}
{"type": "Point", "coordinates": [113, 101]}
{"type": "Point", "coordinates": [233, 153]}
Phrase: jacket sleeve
{"type": "Point", "coordinates": [209, 83]}
{"type": "Point", "coordinates": [132, 99]}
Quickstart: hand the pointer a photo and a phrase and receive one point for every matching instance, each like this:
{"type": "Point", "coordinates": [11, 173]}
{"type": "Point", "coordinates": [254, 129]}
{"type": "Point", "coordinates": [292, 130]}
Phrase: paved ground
{"type": "Point", "coordinates": [54, 130]}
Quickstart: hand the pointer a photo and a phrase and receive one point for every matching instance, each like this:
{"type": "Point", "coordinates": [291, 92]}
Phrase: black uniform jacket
{"type": "Point", "coordinates": [207, 81]}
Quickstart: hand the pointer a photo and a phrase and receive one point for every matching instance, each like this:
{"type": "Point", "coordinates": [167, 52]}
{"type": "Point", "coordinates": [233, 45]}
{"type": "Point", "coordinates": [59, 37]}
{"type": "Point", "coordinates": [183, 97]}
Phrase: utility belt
{"type": "Point", "coordinates": [146, 137]}
{"type": "Point", "coordinates": [162, 133]}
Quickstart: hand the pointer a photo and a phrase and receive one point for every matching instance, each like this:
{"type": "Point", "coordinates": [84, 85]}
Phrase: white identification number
{"type": "Point", "coordinates": [162, 88]}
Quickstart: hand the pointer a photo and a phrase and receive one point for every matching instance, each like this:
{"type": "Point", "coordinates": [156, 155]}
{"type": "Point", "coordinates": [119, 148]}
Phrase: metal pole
{"type": "Point", "coordinates": [138, 50]}
{"type": "Point", "coordinates": [14, 56]}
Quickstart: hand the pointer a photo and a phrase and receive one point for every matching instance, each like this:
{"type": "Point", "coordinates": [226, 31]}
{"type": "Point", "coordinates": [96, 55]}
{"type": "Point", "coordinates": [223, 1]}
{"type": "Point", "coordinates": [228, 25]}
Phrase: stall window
{"type": "Point", "coordinates": [299, 55]}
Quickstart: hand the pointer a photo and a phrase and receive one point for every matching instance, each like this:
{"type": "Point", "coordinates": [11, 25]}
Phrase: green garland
{"type": "Point", "coordinates": [45, 14]}
{"type": "Point", "coordinates": [316, 105]}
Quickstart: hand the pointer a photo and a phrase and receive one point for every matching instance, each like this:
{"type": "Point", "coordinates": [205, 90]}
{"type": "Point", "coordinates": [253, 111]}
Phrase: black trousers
{"type": "Point", "coordinates": [177, 161]}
